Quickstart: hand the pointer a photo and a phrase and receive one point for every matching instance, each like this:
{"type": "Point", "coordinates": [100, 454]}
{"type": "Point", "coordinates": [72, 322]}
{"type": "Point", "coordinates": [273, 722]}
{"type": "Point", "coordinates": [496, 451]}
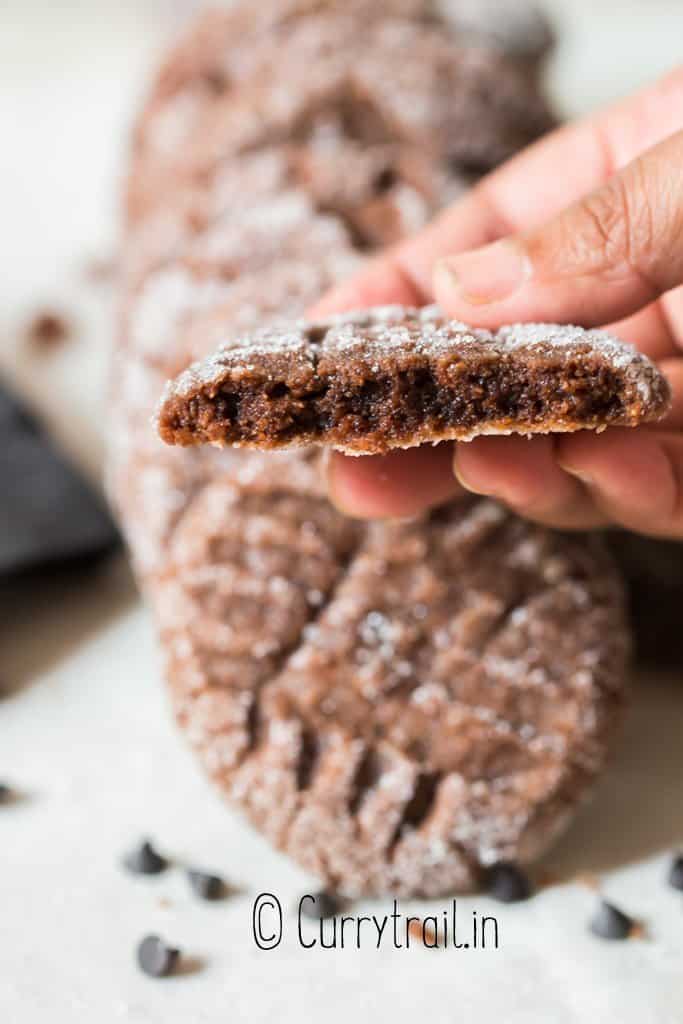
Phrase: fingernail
{"type": "Point", "coordinates": [578, 474]}
{"type": "Point", "coordinates": [462, 480]}
{"type": "Point", "coordinates": [485, 275]}
{"type": "Point", "coordinates": [327, 466]}
{"type": "Point", "coordinates": [336, 495]}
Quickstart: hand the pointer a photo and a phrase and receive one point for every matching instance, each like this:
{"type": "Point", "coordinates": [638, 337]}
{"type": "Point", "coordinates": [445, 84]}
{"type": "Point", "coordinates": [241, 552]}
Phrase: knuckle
{"type": "Point", "coordinates": [620, 223]}
{"type": "Point", "coordinates": [639, 216]}
{"type": "Point", "coordinates": [605, 213]}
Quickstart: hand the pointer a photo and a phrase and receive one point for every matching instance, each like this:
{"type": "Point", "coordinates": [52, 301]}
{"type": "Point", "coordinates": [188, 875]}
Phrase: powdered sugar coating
{"type": "Point", "coordinates": [416, 708]}
{"type": "Point", "coordinates": [381, 700]}
{"type": "Point", "coordinates": [568, 379]}
{"type": "Point", "coordinates": [380, 331]}
{"type": "Point", "coordinates": [464, 105]}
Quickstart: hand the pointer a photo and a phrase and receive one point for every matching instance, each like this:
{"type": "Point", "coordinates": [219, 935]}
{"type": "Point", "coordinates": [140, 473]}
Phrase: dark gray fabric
{"type": "Point", "coordinates": [48, 514]}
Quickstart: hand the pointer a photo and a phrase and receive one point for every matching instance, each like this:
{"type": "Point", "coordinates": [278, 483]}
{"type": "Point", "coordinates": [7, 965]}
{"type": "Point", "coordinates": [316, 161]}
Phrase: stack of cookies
{"type": "Point", "coordinates": [398, 705]}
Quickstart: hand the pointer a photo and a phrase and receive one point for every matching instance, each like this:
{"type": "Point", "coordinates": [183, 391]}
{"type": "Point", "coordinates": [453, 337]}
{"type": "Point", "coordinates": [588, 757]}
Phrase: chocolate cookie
{"type": "Point", "coordinates": [208, 54]}
{"type": "Point", "coordinates": [397, 83]}
{"type": "Point", "coordinates": [395, 377]}
{"type": "Point", "coordinates": [377, 194]}
{"type": "Point", "coordinates": [395, 706]}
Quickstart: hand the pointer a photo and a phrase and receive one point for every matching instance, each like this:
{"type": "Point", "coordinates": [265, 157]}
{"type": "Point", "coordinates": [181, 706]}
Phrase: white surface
{"type": "Point", "coordinates": [84, 729]}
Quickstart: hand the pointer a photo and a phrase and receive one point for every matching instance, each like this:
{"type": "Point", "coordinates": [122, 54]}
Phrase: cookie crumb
{"type": "Point", "coordinates": [48, 329]}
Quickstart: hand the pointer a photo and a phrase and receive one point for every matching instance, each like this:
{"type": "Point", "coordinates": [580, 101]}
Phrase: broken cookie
{"type": "Point", "coordinates": [392, 377]}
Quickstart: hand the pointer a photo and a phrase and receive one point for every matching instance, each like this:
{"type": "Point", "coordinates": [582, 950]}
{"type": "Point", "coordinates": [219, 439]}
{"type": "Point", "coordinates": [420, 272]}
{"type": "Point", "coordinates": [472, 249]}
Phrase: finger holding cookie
{"type": "Point", "coordinates": [584, 227]}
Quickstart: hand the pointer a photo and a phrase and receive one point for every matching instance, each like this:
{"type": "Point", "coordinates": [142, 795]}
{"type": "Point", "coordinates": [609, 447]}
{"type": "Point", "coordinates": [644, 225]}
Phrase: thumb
{"type": "Point", "coordinates": [599, 260]}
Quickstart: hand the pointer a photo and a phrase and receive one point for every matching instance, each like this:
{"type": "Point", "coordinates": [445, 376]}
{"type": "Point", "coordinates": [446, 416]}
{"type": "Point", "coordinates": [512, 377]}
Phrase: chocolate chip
{"type": "Point", "coordinates": [145, 860]}
{"type": "Point", "coordinates": [609, 922]}
{"type": "Point", "coordinates": [508, 884]}
{"type": "Point", "coordinates": [206, 886]}
{"type": "Point", "coordinates": [319, 906]}
{"type": "Point", "coordinates": [155, 958]}
{"type": "Point", "coordinates": [675, 877]}
{"type": "Point", "coordinates": [6, 794]}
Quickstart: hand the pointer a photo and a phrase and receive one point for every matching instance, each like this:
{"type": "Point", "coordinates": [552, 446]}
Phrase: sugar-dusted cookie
{"type": "Point", "coordinates": [394, 378]}
{"type": "Point", "coordinates": [396, 706]}
{"type": "Point", "coordinates": [467, 107]}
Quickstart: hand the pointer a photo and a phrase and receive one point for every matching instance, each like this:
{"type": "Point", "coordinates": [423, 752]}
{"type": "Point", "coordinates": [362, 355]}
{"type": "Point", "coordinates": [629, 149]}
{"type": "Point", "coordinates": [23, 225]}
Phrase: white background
{"type": "Point", "coordinates": [84, 729]}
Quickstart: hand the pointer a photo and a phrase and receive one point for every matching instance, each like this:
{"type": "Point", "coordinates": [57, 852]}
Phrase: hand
{"type": "Point", "coordinates": [513, 250]}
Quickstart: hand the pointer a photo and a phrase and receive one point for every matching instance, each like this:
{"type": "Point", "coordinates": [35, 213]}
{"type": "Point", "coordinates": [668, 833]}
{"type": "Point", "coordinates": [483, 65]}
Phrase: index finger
{"type": "Point", "coordinates": [520, 195]}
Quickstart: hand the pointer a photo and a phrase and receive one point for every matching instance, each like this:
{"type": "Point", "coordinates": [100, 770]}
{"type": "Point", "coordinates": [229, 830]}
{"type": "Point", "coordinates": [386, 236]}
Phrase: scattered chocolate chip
{"type": "Point", "coordinates": [609, 922]}
{"type": "Point", "coordinates": [6, 794]}
{"type": "Point", "coordinates": [155, 958]}
{"type": "Point", "coordinates": [675, 876]}
{"type": "Point", "coordinates": [48, 329]}
{"type": "Point", "coordinates": [508, 884]}
{"type": "Point", "coordinates": [206, 886]}
{"type": "Point", "coordinates": [319, 906]}
{"type": "Point", "coordinates": [145, 860]}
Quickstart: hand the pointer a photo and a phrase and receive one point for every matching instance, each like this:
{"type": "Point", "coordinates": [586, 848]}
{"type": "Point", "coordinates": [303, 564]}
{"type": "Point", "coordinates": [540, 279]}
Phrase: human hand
{"type": "Point", "coordinates": [513, 250]}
